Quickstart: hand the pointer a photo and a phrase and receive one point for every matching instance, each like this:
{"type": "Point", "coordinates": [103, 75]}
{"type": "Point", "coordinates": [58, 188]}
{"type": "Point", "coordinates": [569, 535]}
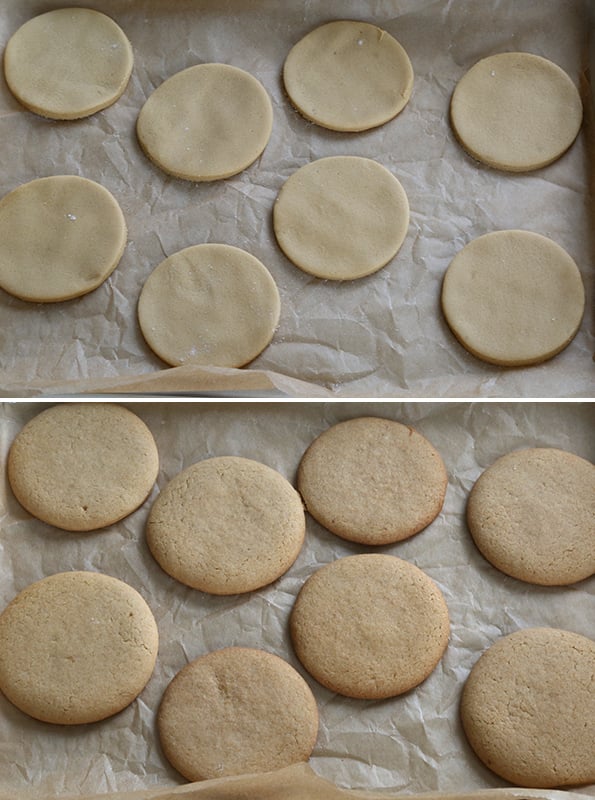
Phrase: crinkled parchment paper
{"type": "Point", "coordinates": [380, 336]}
{"type": "Point", "coordinates": [406, 745]}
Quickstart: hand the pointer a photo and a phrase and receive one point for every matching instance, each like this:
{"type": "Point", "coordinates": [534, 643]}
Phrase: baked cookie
{"type": "Point", "coordinates": [348, 76]}
{"type": "Point", "coordinates": [532, 515]}
{"type": "Point", "coordinates": [369, 626]}
{"type": "Point", "coordinates": [83, 466]}
{"type": "Point", "coordinates": [236, 710]}
{"type": "Point", "coordinates": [76, 647]}
{"type": "Point", "coordinates": [372, 481]}
{"type": "Point", "coordinates": [226, 525]}
{"type": "Point", "coordinates": [528, 708]}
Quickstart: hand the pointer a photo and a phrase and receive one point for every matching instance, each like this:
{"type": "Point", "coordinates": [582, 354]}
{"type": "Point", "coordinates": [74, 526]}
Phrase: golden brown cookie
{"type": "Point", "coordinates": [370, 626]}
{"type": "Point", "coordinates": [372, 480]}
{"type": "Point", "coordinates": [237, 710]}
{"type": "Point", "coordinates": [76, 647]}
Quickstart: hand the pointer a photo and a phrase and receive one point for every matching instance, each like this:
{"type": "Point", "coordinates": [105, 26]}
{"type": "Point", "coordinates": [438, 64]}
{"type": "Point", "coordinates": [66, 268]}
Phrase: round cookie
{"type": "Point", "coordinates": [83, 466]}
{"type": "Point", "coordinates": [209, 304]}
{"type": "Point", "coordinates": [234, 711]}
{"type": "Point", "coordinates": [226, 525]}
{"type": "Point", "coordinates": [68, 63]}
{"type": "Point", "coordinates": [372, 480]}
{"type": "Point", "coordinates": [532, 515]}
{"type": "Point", "coordinates": [516, 111]}
{"type": "Point", "coordinates": [528, 708]}
{"type": "Point", "coordinates": [207, 122]}
{"type": "Point", "coordinates": [513, 298]}
{"type": "Point", "coordinates": [348, 76]}
{"type": "Point", "coordinates": [76, 647]}
{"type": "Point", "coordinates": [60, 237]}
{"type": "Point", "coordinates": [341, 218]}
{"type": "Point", "coordinates": [369, 626]}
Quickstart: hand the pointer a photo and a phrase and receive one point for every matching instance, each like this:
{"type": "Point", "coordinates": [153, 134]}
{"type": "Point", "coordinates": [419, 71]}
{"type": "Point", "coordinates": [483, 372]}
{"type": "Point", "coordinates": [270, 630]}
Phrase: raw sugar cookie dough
{"type": "Point", "coordinates": [60, 238]}
{"type": "Point", "coordinates": [68, 63]}
{"type": "Point", "coordinates": [76, 647]}
{"type": "Point", "coordinates": [372, 481]}
{"type": "Point", "coordinates": [516, 111]}
{"type": "Point", "coordinates": [226, 525]}
{"type": "Point", "coordinates": [235, 711]}
{"type": "Point", "coordinates": [83, 466]}
{"type": "Point", "coordinates": [341, 217]}
{"type": "Point", "coordinates": [206, 122]}
{"type": "Point", "coordinates": [369, 626]}
{"type": "Point", "coordinates": [348, 76]}
{"type": "Point", "coordinates": [532, 515]}
{"type": "Point", "coordinates": [528, 708]}
{"type": "Point", "coordinates": [513, 298]}
{"type": "Point", "coordinates": [209, 304]}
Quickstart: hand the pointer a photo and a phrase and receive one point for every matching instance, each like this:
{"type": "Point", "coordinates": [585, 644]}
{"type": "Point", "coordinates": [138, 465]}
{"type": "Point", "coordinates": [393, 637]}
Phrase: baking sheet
{"type": "Point", "coordinates": [407, 745]}
{"type": "Point", "coordinates": [381, 336]}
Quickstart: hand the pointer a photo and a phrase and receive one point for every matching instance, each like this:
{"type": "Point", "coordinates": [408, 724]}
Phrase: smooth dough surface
{"type": "Point", "coordinates": [227, 525]}
{"type": "Point", "coordinates": [513, 298]}
{"type": "Point", "coordinates": [369, 626]}
{"type": "Point", "coordinates": [76, 647]}
{"type": "Point", "coordinates": [206, 122]}
{"type": "Point", "coordinates": [348, 76]}
{"type": "Point", "coordinates": [68, 63]}
{"type": "Point", "coordinates": [372, 481]}
{"type": "Point", "coordinates": [532, 515]}
{"type": "Point", "coordinates": [60, 238]}
{"type": "Point", "coordinates": [209, 304]}
{"type": "Point", "coordinates": [83, 466]}
{"type": "Point", "coordinates": [516, 111]}
{"type": "Point", "coordinates": [528, 708]}
{"type": "Point", "coordinates": [341, 217]}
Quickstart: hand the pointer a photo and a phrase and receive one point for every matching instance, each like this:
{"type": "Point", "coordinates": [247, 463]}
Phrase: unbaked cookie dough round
{"type": "Point", "coordinates": [372, 481]}
{"type": "Point", "coordinates": [341, 217]}
{"type": "Point", "coordinates": [235, 711]}
{"type": "Point", "coordinates": [76, 647]}
{"type": "Point", "coordinates": [60, 238]}
{"type": "Point", "coordinates": [206, 122]}
{"type": "Point", "coordinates": [513, 298]}
{"type": "Point", "coordinates": [209, 304]}
{"type": "Point", "coordinates": [227, 525]}
{"type": "Point", "coordinates": [532, 515]}
{"type": "Point", "coordinates": [348, 76]}
{"type": "Point", "coordinates": [82, 466]}
{"type": "Point", "coordinates": [528, 708]}
{"type": "Point", "coordinates": [516, 111]}
{"type": "Point", "coordinates": [68, 63]}
{"type": "Point", "coordinates": [369, 626]}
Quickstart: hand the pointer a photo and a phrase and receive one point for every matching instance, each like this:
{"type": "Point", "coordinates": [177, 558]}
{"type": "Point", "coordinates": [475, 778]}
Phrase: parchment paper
{"type": "Point", "coordinates": [407, 745]}
{"type": "Point", "coordinates": [381, 336]}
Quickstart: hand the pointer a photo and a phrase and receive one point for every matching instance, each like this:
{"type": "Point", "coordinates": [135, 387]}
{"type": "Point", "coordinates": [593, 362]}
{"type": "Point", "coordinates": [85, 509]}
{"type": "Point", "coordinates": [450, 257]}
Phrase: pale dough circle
{"type": "Point", "coordinates": [236, 711]}
{"type": "Point", "coordinates": [206, 122]}
{"type": "Point", "coordinates": [76, 647]}
{"type": "Point", "coordinates": [369, 626]}
{"type": "Point", "coordinates": [372, 481]}
{"type": "Point", "coordinates": [68, 63]}
{"type": "Point", "coordinates": [513, 298]}
{"type": "Point", "coordinates": [60, 238]}
{"type": "Point", "coordinates": [348, 76]}
{"type": "Point", "coordinates": [532, 515]}
{"type": "Point", "coordinates": [516, 111]}
{"type": "Point", "coordinates": [341, 217]}
{"type": "Point", "coordinates": [528, 708]}
{"type": "Point", "coordinates": [227, 525]}
{"type": "Point", "coordinates": [82, 466]}
{"type": "Point", "coordinates": [209, 304]}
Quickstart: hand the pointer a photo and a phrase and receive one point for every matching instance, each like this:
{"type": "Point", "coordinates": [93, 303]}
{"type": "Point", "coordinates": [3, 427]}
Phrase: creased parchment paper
{"type": "Point", "coordinates": [407, 745]}
{"type": "Point", "coordinates": [380, 336]}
